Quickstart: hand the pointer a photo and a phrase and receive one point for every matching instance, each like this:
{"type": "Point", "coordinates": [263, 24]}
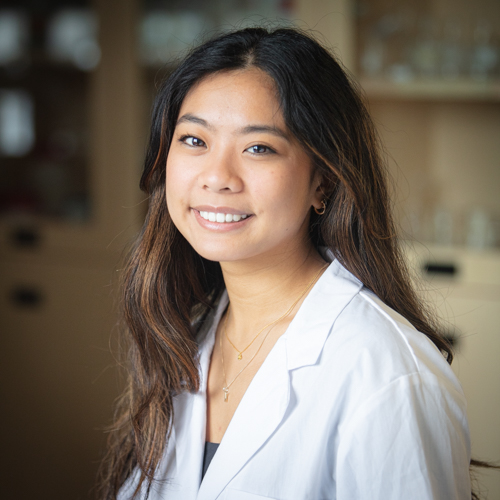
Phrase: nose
{"type": "Point", "coordinates": [221, 173]}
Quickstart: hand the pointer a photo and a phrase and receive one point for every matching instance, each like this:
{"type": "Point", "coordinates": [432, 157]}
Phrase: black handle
{"type": "Point", "coordinates": [440, 268]}
{"type": "Point", "coordinates": [25, 237]}
{"type": "Point", "coordinates": [26, 297]}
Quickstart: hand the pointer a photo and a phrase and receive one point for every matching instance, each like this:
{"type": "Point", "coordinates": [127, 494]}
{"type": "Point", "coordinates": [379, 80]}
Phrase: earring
{"type": "Point", "coordinates": [322, 210]}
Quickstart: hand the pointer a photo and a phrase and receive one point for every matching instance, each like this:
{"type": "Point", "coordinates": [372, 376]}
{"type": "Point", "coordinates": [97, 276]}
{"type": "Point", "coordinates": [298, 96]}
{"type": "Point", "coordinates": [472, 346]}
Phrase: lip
{"type": "Point", "coordinates": [220, 210]}
{"type": "Point", "coordinates": [221, 227]}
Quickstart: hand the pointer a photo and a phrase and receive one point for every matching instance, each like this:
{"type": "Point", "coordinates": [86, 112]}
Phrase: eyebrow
{"type": "Point", "coordinates": [189, 118]}
{"type": "Point", "coordinates": [264, 128]}
{"type": "Point", "coordinates": [249, 129]}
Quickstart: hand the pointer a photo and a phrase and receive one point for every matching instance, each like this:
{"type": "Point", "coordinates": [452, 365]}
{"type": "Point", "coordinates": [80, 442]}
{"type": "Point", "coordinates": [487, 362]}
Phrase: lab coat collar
{"type": "Point", "coordinates": [307, 333]}
{"type": "Point", "coordinates": [266, 400]}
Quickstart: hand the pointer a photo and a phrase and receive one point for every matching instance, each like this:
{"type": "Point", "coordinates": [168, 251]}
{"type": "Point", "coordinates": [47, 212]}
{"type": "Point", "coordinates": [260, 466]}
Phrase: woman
{"type": "Point", "coordinates": [270, 312]}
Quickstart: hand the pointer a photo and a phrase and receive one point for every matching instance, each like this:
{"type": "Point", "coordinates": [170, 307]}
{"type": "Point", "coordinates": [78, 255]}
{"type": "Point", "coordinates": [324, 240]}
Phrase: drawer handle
{"type": "Point", "coordinates": [26, 297]}
{"type": "Point", "coordinates": [25, 237]}
{"type": "Point", "coordinates": [440, 268]}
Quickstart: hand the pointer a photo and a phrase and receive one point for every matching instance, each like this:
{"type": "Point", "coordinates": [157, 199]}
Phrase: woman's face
{"type": "Point", "coordinates": [239, 186]}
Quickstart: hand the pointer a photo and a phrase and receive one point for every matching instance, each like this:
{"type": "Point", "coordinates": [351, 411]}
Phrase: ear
{"type": "Point", "coordinates": [325, 186]}
{"type": "Point", "coordinates": [319, 191]}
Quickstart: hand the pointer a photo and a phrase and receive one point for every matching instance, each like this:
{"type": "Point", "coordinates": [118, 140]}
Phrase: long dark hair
{"type": "Point", "coordinates": [169, 289]}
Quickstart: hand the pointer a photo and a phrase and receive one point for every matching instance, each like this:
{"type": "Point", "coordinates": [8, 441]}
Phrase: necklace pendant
{"type": "Point", "coordinates": [240, 356]}
{"type": "Point", "coordinates": [226, 394]}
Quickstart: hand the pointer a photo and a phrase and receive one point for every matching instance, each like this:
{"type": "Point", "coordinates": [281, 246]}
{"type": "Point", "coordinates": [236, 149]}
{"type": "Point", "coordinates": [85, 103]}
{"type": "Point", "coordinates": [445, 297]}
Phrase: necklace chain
{"type": "Point", "coordinates": [240, 353]}
{"type": "Point", "coordinates": [272, 325]}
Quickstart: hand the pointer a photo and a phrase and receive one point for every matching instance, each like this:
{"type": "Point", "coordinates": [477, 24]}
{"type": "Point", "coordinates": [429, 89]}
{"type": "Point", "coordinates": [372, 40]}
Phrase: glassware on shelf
{"type": "Point", "coordinates": [485, 56]}
{"type": "Point", "coordinates": [17, 129]}
{"type": "Point", "coordinates": [386, 45]}
{"type": "Point", "coordinates": [401, 70]}
{"type": "Point", "coordinates": [475, 227]}
{"type": "Point", "coordinates": [72, 38]}
{"type": "Point", "coordinates": [443, 226]}
{"type": "Point", "coordinates": [44, 109]}
{"type": "Point", "coordinates": [480, 230]}
{"type": "Point", "coordinates": [495, 229]}
{"type": "Point", "coordinates": [425, 53]}
{"type": "Point", "coordinates": [452, 50]}
{"type": "Point", "coordinates": [244, 14]}
{"type": "Point", "coordinates": [405, 42]}
{"type": "Point", "coordinates": [373, 57]}
{"type": "Point", "coordinates": [411, 219]}
{"type": "Point", "coordinates": [164, 34]}
{"type": "Point", "coordinates": [374, 54]}
{"type": "Point", "coordinates": [14, 36]}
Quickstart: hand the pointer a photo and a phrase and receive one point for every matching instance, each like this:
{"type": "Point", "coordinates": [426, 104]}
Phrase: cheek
{"type": "Point", "coordinates": [296, 191]}
{"type": "Point", "coordinates": [176, 183]}
{"type": "Point", "coordinates": [286, 198]}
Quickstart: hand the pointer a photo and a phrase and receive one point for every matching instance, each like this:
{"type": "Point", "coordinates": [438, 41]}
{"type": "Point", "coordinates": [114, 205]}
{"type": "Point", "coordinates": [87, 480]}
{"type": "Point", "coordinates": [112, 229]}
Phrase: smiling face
{"type": "Point", "coordinates": [238, 185]}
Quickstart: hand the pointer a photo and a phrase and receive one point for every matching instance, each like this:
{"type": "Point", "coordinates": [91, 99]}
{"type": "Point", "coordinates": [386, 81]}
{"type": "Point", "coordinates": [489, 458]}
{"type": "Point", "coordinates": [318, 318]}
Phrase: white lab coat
{"type": "Point", "coordinates": [352, 403]}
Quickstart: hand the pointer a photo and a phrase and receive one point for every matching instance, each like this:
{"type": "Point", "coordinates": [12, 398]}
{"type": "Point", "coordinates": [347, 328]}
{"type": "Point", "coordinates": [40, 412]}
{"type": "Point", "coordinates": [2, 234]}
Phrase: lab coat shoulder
{"type": "Point", "coordinates": [404, 412]}
{"type": "Point", "coordinates": [371, 348]}
{"type": "Point", "coordinates": [382, 345]}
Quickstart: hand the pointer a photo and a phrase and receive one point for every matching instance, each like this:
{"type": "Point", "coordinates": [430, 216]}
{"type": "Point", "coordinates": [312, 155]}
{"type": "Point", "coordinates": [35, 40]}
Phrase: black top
{"type": "Point", "coordinates": [210, 449]}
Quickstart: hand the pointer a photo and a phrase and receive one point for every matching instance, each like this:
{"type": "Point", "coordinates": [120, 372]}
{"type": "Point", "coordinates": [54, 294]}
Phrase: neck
{"type": "Point", "coordinates": [261, 291]}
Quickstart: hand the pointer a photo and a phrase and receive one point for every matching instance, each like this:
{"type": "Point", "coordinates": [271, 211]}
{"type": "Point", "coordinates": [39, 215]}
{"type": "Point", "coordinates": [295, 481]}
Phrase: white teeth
{"type": "Point", "coordinates": [220, 217]}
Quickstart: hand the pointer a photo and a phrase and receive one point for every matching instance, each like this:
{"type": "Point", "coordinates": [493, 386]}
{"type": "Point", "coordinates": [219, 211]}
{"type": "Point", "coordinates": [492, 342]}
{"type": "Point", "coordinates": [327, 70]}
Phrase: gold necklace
{"type": "Point", "coordinates": [240, 353]}
{"type": "Point", "coordinates": [226, 386]}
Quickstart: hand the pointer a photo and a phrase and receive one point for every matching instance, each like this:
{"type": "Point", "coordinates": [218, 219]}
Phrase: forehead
{"type": "Point", "coordinates": [238, 95]}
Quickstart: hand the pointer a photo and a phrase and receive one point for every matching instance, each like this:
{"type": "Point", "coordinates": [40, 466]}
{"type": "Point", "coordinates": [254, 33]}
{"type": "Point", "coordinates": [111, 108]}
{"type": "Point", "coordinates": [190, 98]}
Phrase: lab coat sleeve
{"type": "Point", "coordinates": [409, 440]}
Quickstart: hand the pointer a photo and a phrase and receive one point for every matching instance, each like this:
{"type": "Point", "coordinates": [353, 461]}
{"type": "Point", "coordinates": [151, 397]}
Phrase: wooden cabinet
{"type": "Point", "coordinates": [105, 107]}
{"type": "Point", "coordinates": [59, 377]}
{"type": "Point", "coordinates": [463, 288]}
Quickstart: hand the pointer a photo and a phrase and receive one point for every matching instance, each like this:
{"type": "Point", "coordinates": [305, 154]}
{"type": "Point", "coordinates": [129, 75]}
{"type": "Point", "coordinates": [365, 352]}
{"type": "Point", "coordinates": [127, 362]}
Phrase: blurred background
{"type": "Point", "coordinates": [77, 79]}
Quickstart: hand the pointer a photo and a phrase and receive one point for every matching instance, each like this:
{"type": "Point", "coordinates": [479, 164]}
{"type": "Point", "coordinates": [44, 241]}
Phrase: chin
{"type": "Point", "coordinates": [221, 253]}
{"type": "Point", "coordinates": [217, 255]}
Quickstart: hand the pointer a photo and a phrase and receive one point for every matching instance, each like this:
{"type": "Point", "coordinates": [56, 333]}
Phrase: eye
{"type": "Point", "coordinates": [259, 149]}
{"type": "Point", "coordinates": [192, 141]}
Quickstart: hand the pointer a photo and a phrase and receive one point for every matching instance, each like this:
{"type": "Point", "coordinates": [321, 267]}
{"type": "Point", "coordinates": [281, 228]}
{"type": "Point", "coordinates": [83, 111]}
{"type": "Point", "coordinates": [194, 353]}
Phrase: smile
{"type": "Point", "coordinates": [221, 217]}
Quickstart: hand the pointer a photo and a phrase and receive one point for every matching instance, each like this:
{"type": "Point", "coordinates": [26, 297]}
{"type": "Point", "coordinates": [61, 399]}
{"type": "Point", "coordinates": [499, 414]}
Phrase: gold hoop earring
{"type": "Point", "coordinates": [322, 210]}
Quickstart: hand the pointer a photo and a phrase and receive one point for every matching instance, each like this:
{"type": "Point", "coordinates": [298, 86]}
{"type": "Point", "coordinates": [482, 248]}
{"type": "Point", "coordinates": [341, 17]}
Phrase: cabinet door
{"type": "Point", "coordinates": [58, 378]}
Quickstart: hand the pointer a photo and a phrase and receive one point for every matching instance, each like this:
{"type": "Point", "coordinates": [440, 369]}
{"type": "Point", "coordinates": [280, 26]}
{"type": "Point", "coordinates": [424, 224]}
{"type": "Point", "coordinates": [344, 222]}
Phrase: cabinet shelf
{"type": "Point", "coordinates": [460, 90]}
{"type": "Point", "coordinates": [37, 60]}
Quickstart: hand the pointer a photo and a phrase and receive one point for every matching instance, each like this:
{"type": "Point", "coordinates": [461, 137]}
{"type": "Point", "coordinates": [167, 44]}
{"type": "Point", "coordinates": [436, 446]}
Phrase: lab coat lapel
{"type": "Point", "coordinates": [190, 414]}
{"type": "Point", "coordinates": [259, 413]}
{"type": "Point", "coordinates": [311, 326]}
